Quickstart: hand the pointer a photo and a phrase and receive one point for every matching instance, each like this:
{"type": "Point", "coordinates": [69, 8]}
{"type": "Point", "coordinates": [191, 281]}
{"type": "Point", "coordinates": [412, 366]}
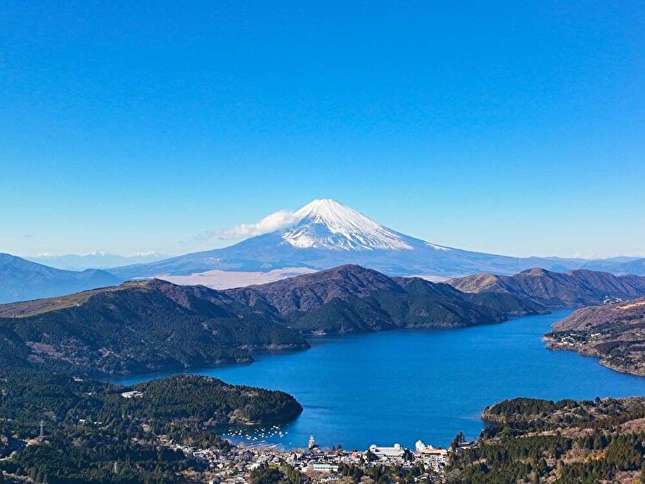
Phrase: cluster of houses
{"type": "Point", "coordinates": [235, 465]}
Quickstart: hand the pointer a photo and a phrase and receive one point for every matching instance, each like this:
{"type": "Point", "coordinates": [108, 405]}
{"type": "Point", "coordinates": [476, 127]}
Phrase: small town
{"type": "Point", "coordinates": [424, 463]}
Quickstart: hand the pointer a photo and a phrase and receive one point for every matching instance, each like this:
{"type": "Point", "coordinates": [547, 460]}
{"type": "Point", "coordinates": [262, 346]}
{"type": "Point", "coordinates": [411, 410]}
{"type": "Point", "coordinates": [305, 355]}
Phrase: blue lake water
{"type": "Point", "coordinates": [400, 386]}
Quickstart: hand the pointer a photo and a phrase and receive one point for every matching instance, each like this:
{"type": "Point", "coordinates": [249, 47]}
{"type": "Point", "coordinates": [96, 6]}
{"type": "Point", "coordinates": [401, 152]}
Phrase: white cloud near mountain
{"type": "Point", "coordinates": [272, 222]}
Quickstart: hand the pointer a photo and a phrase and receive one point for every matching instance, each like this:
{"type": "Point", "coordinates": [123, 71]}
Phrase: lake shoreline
{"type": "Point", "coordinates": [311, 340]}
{"type": "Point", "coordinates": [423, 384]}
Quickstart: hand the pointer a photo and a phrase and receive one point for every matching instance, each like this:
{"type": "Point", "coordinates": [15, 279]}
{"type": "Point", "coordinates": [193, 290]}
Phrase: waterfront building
{"type": "Point", "coordinates": [428, 450]}
{"type": "Point", "coordinates": [396, 451]}
{"type": "Point", "coordinates": [324, 467]}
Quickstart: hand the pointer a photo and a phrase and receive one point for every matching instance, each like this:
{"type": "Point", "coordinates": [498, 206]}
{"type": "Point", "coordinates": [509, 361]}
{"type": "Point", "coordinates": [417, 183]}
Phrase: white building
{"type": "Point", "coordinates": [396, 451]}
{"type": "Point", "coordinates": [322, 467]}
{"type": "Point", "coordinates": [311, 443]}
{"type": "Point", "coordinates": [423, 449]}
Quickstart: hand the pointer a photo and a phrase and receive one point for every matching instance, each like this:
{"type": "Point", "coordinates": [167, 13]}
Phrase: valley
{"type": "Point", "coordinates": [173, 429]}
{"type": "Point", "coordinates": [165, 349]}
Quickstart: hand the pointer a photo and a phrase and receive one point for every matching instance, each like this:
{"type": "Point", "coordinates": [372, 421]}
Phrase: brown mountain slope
{"type": "Point", "coordinates": [614, 332]}
{"type": "Point", "coordinates": [351, 298]}
{"type": "Point", "coordinates": [553, 289]}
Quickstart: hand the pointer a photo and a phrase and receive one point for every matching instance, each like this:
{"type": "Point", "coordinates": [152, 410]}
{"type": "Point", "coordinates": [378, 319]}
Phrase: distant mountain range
{"type": "Point", "coordinates": [617, 265]}
{"type": "Point", "coordinates": [21, 280]}
{"type": "Point", "coordinates": [94, 260]}
{"type": "Point", "coordinates": [321, 235]}
{"type": "Point", "coordinates": [153, 325]}
{"type": "Point", "coordinates": [325, 234]}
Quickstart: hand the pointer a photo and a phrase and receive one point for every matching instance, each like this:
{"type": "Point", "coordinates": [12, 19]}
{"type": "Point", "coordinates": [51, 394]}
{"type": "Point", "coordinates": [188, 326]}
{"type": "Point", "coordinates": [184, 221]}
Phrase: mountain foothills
{"type": "Point", "coordinates": [138, 327]}
{"type": "Point", "coordinates": [165, 402]}
{"type": "Point", "coordinates": [529, 440]}
{"type": "Point", "coordinates": [555, 290]}
{"type": "Point", "coordinates": [153, 325]}
{"type": "Point", "coordinates": [351, 298]}
{"type": "Point", "coordinates": [325, 234]}
{"type": "Point", "coordinates": [59, 428]}
{"type": "Point", "coordinates": [613, 332]}
{"type": "Point", "coordinates": [21, 279]}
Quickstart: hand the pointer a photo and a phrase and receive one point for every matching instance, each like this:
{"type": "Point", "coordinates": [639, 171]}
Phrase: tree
{"type": "Point", "coordinates": [459, 439]}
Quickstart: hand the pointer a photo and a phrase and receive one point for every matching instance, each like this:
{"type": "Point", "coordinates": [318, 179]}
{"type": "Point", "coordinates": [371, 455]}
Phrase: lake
{"type": "Point", "coordinates": [400, 386]}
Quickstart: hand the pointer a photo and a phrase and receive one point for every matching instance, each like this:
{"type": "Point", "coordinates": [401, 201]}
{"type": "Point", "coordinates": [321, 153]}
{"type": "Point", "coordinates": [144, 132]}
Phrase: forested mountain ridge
{"type": "Point", "coordinates": [138, 327]}
{"type": "Point", "coordinates": [352, 298]}
{"type": "Point", "coordinates": [151, 325]}
{"type": "Point", "coordinates": [58, 428]}
{"type": "Point", "coordinates": [530, 440]}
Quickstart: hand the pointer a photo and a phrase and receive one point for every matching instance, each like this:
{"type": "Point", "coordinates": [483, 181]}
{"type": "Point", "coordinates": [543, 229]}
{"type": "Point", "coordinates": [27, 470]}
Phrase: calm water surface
{"type": "Point", "coordinates": [400, 386]}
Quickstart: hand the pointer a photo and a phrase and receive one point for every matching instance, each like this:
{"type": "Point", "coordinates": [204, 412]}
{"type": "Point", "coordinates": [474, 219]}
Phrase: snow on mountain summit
{"type": "Point", "coordinates": [327, 224]}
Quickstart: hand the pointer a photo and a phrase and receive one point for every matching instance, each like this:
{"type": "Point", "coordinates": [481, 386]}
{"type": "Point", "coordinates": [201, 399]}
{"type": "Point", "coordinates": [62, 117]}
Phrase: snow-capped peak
{"type": "Point", "coordinates": [327, 224]}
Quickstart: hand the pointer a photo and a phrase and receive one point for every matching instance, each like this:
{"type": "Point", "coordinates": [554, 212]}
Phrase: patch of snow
{"type": "Point", "coordinates": [328, 224]}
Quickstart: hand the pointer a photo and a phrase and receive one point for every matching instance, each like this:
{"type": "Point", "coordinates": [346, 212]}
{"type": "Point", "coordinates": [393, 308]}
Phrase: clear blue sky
{"type": "Point", "coordinates": [511, 127]}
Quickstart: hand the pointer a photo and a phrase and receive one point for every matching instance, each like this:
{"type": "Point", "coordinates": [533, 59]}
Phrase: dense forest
{"type": "Point", "coordinates": [351, 298]}
{"type": "Point", "coordinates": [138, 327]}
{"type": "Point", "coordinates": [98, 431]}
{"type": "Point", "coordinates": [529, 440]}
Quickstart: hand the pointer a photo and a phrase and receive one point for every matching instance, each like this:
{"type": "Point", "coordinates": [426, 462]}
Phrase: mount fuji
{"type": "Point", "coordinates": [325, 234]}
{"type": "Point", "coordinates": [326, 224]}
